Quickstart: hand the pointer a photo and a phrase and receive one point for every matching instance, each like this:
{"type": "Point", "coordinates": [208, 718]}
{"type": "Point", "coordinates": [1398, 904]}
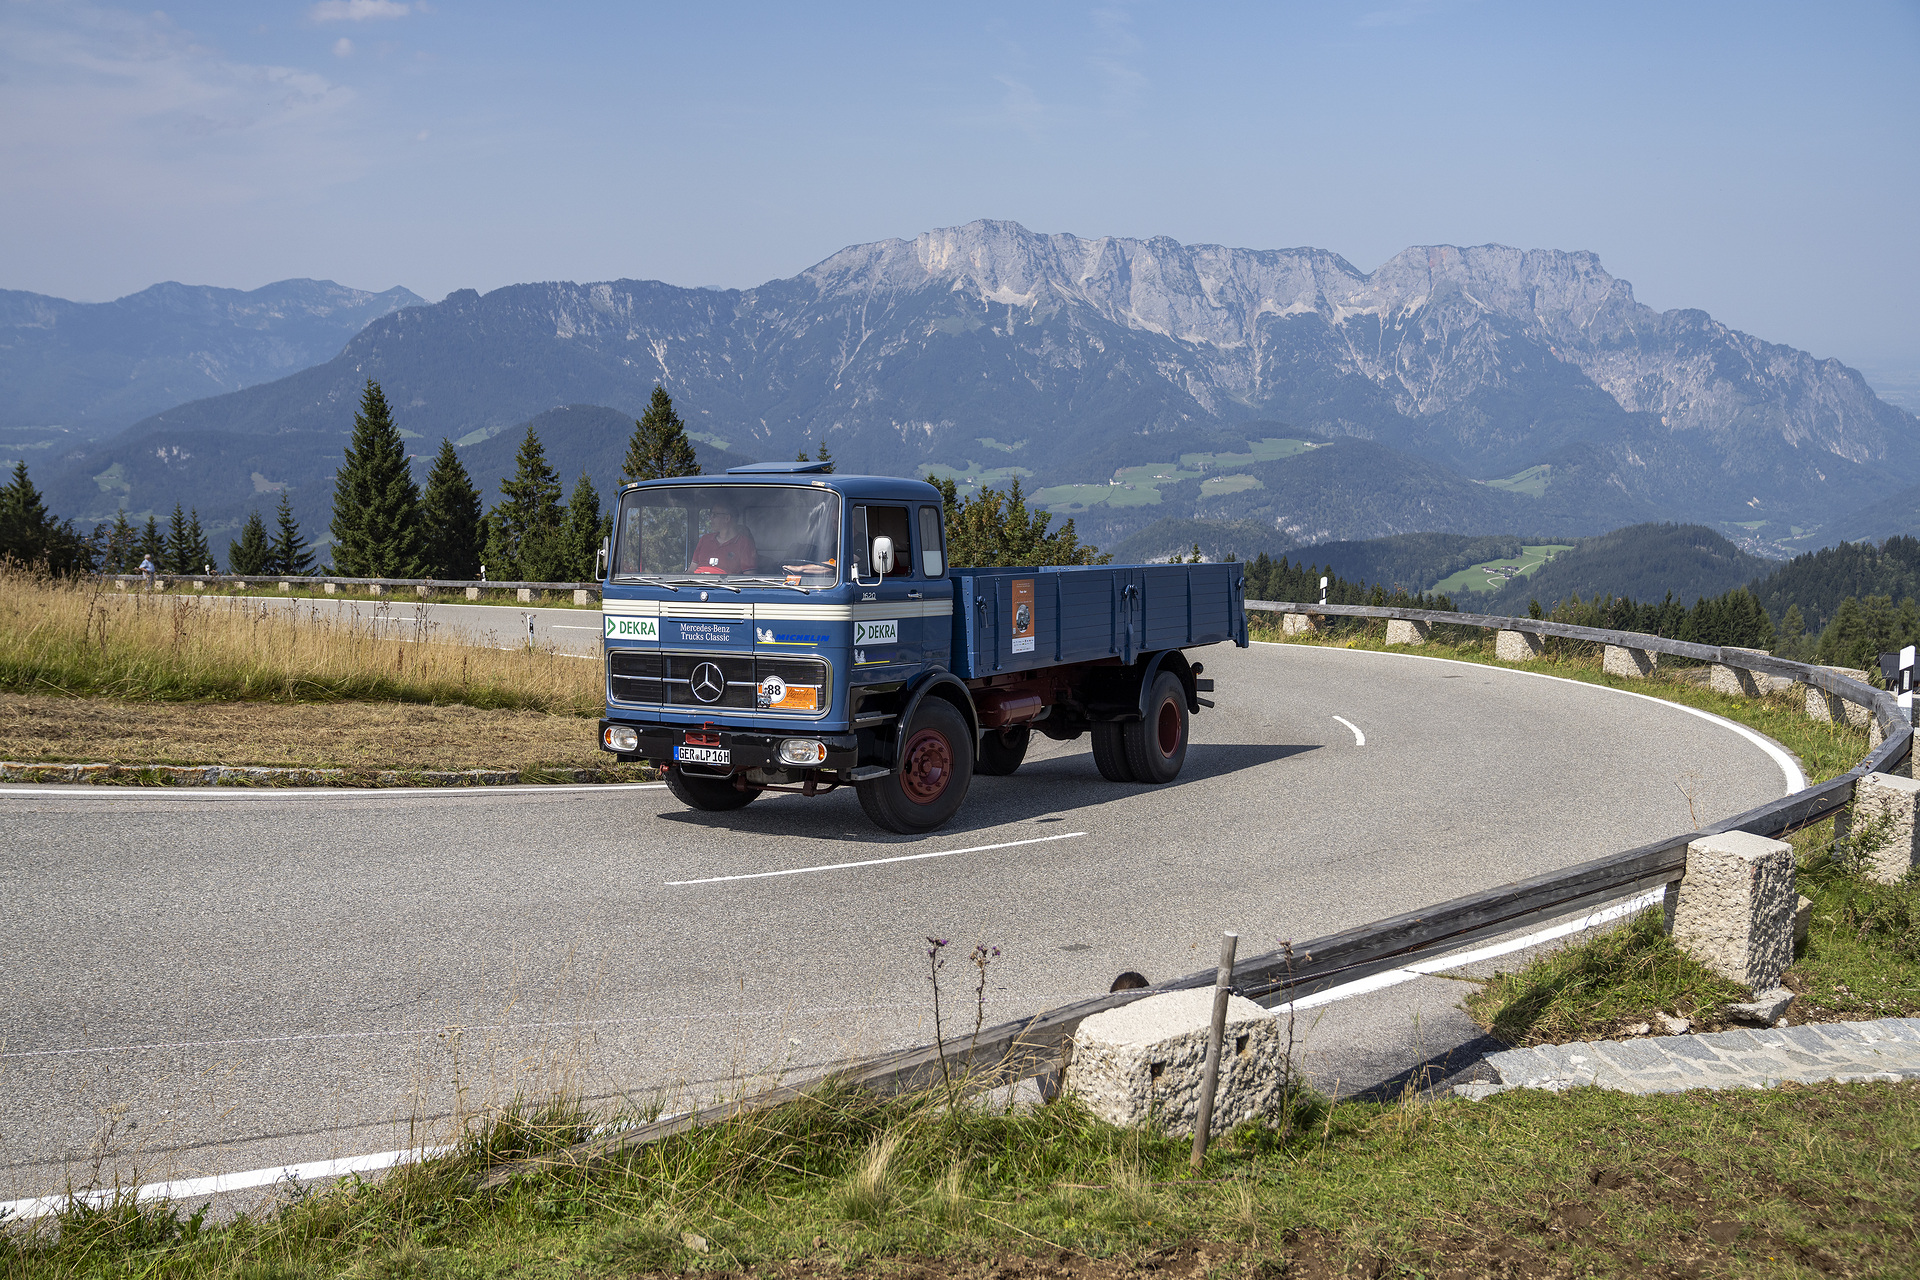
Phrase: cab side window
{"type": "Point", "coordinates": [933, 562]}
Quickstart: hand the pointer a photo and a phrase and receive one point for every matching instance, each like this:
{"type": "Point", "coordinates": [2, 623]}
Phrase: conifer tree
{"type": "Point", "coordinates": [251, 554]}
{"type": "Point", "coordinates": [584, 529]}
{"type": "Point", "coordinates": [291, 559]}
{"type": "Point", "coordinates": [824, 456]}
{"type": "Point", "coordinates": [659, 447]}
{"type": "Point", "coordinates": [376, 504]}
{"type": "Point", "coordinates": [30, 534]}
{"type": "Point", "coordinates": [199, 554]}
{"type": "Point", "coordinates": [450, 519]}
{"type": "Point", "coordinates": [153, 545]}
{"type": "Point", "coordinates": [524, 541]}
{"type": "Point", "coordinates": [993, 528]}
{"type": "Point", "coordinates": [179, 549]}
{"type": "Point", "coordinates": [121, 552]}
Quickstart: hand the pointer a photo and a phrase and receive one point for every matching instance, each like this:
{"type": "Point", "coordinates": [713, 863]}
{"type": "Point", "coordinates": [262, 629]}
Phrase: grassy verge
{"type": "Point", "coordinates": [314, 735]}
{"type": "Point", "coordinates": [1861, 959]}
{"type": "Point", "coordinates": [75, 639]}
{"type": "Point", "coordinates": [269, 589]}
{"type": "Point", "coordinates": [1825, 750]}
{"type": "Point", "coordinates": [1789, 1182]}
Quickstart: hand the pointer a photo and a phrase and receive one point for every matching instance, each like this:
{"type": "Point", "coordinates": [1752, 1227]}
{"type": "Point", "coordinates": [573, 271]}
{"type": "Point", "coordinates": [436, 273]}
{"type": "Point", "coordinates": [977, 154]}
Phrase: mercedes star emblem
{"type": "Point", "coordinates": [708, 683]}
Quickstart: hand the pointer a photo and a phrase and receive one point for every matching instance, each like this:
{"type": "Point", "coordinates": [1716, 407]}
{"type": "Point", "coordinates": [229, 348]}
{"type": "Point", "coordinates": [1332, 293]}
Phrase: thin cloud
{"type": "Point", "coordinates": [357, 10]}
{"type": "Point", "coordinates": [343, 48]}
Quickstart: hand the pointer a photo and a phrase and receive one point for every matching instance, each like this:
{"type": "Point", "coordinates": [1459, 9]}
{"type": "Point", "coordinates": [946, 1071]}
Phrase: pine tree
{"type": "Point", "coordinates": [450, 519]}
{"type": "Point", "coordinates": [584, 529]}
{"type": "Point", "coordinates": [121, 552]}
{"type": "Point", "coordinates": [991, 528]}
{"type": "Point", "coordinates": [31, 534]}
{"type": "Point", "coordinates": [824, 456]}
{"type": "Point", "coordinates": [291, 559]}
{"type": "Point", "coordinates": [153, 545]}
{"type": "Point", "coordinates": [376, 504]}
{"type": "Point", "coordinates": [524, 534]}
{"type": "Point", "coordinates": [659, 447]}
{"type": "Point", "coordinates": [199, 553]}
{"type": "Point", "coordinates": [251, 555]}
{"type": "Point", "coordinates": [178, 557]}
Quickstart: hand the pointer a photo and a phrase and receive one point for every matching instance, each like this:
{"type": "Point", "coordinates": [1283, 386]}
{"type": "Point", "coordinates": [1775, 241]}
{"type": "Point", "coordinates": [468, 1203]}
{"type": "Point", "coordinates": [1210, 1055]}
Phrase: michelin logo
{"type": "Point", "coordinates": [765, 635]}
{"type": "Point", "coordinates": [621, 628]}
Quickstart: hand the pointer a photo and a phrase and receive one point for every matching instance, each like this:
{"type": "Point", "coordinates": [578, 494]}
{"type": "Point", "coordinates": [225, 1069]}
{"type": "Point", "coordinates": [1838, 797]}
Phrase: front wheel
{"type": "Point", "coordinates": [931, 774]}
{"type": "Point", "coordinates": [711, 795]}
{"type": "Point", "coordinates": [1002, 750]}
{"type": "Point", "coordinates": [1157, 743]}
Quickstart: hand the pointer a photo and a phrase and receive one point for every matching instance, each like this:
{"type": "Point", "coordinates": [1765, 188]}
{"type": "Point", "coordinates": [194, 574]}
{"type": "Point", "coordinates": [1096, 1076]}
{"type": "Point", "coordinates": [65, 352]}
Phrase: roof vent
{"type": "Point", "coordinates": [781, 468]}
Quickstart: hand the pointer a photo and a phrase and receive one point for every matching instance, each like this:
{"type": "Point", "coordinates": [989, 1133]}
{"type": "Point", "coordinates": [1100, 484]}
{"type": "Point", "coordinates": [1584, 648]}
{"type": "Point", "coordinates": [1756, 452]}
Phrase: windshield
{"type": "Point", "coordinates": [722, 534]}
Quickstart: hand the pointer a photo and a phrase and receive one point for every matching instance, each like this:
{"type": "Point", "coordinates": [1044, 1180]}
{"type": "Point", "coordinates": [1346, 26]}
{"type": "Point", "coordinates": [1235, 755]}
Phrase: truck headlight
{"type": "Point", "coordinates": [619, 737]}
{"type": "Point", "coordinates": [802, 751]}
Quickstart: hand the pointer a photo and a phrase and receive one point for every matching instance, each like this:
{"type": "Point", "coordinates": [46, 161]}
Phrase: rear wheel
{"type": "Point", "coordinates": [1002, 750]}
{"type": "Point", "coordinates": [713, 795]}
{"type": "Point", "coordinates": [1110, 752]}
{"type": "Point", "coordinates": [1157, 744]}
{"type": "Point", "coordinates": [931, 773]}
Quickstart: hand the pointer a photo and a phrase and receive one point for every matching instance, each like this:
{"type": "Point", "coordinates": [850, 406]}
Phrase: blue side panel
{"type": "Point", "coordinates": [1085, 613]}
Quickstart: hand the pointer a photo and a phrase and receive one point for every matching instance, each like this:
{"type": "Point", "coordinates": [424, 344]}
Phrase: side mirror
{"type": "Point", "coordinates": [600, 561]}
{"type": "Point", "coordinates": [883, 555]}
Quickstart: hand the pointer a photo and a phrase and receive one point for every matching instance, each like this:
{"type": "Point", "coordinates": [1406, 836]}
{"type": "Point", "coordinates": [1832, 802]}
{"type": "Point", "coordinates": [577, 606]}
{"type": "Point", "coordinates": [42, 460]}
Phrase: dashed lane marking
{"type": "Point", "coordinates": [875, 862]}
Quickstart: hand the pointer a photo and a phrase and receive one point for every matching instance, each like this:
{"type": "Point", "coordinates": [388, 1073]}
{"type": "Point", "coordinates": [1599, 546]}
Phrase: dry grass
{"type": "Point", "coordinates": [76, 638]}
{"type": "Point", "coordinates": [312, 735]}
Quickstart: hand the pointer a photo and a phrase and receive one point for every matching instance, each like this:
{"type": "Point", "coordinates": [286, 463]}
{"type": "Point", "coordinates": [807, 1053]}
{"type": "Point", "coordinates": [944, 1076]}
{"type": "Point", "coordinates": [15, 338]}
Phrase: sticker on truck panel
{"type": "Point", "coordinates": [619, 628]}
{"type": "Point", "coordinates": [703, 755]}
{"type": "Point", "coordinates": [777, 695]}
{"type": "Point", "coordinates": [1023, 620]}
{"type": "Point", "coordinates": [887, 632]}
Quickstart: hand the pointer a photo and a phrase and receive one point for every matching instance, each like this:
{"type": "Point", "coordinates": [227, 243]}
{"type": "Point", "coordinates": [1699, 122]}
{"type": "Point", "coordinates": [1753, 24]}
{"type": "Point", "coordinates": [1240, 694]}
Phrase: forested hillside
{"type": "Point", "coordinates": [1645, 562]}
{"type": "Point", "coordinates": [1819, 581]}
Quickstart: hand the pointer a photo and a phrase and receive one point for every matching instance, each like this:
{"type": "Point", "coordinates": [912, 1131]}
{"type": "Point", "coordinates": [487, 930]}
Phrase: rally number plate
{"type": "Point", "coordinates": [703, 755]}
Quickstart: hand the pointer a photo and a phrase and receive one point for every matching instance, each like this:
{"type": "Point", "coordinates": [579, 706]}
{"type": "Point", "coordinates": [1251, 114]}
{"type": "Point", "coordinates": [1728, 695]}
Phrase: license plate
{"type": "Point", "coordinates": [703, 755]}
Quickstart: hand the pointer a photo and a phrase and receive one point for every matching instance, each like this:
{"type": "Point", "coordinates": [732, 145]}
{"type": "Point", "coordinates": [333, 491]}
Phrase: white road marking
{"type": "Point", "coordinates": [560, 626]}
{"type": "Point", "coordinates": [1789, 767]}
{"type": "Point", "coordinates": [111, 792]}
{"type": "Point", "coordinates": [1359, 738]}
{"type": "Point", "coordinates": [194, 1188]}
{"type": "Point", "coordinates": [875, 862]}
{"type": "Point", "coordinates": [1426, 968]}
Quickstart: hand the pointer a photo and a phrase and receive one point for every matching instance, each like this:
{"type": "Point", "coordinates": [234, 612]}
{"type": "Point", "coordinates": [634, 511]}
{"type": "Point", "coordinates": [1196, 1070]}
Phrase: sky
{"type": "Point", "coordinates": [1759, 161]}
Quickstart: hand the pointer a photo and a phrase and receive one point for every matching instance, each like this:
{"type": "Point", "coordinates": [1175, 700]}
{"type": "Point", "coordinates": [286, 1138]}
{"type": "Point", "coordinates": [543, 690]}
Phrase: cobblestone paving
{"type": "Point", "coordinates": [1886, 1049]}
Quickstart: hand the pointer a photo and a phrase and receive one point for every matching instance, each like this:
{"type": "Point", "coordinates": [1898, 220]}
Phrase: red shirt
{"type": "Point", "coordinates": [735, 556]}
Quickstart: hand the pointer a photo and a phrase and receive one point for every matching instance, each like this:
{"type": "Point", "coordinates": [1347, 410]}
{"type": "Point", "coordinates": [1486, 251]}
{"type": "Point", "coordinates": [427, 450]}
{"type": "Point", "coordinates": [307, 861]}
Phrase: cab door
{"type": "Point", "coordinates": [888, 631]}
{"type": "Point", "coordinates": [930, 568]}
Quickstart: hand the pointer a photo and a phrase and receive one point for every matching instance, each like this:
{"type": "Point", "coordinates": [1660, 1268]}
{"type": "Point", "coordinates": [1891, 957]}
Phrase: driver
{"type": "Point", "coordinates": [726, 546]}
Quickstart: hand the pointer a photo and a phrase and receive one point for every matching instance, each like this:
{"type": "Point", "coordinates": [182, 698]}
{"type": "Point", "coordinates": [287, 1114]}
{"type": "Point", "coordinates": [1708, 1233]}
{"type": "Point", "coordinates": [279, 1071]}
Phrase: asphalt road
{"type": "Point", "coordinates": [202, 982]}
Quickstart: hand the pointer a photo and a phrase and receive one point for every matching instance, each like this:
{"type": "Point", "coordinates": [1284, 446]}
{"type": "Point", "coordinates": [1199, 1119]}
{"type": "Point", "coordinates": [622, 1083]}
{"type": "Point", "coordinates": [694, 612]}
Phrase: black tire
{"type": "Point", "coordinates": [711, 795]}
{"type": "Point", "coordinates": [1110, 752]}
{"type": "Point", "coordinates": [1002, 750]}
{"type": "Point", "coordinates": [930, 777]}
{"type": "Point", "coordinates": [1157, 745]}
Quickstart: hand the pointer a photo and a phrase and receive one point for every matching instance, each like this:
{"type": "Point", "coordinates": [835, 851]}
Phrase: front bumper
{"type": "Point", "coordinates": [747, 748]}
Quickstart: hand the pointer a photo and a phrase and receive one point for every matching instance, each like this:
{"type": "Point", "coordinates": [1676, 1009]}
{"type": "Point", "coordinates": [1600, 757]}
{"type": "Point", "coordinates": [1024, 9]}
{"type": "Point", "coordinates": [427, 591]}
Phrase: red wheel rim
{"type": "Point", "coordinates": [926, 766]}
{"type": "Point", "coordinates": [1167, 728]}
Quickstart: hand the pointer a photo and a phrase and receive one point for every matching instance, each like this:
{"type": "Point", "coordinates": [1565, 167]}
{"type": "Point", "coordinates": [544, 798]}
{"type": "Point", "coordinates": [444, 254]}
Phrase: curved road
{"type": "Point", "coordinates": [200, 982]}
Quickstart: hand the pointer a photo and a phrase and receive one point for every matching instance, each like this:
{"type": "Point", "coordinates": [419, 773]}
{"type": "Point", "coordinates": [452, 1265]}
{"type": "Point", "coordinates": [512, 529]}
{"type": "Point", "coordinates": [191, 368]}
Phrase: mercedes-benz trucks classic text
{"type": "Point", "coordinates": [779, 628]}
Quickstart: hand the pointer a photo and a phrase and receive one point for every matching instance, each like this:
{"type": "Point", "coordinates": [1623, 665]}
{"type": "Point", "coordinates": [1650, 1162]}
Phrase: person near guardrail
{"type": "Point", "coordinates": [146, 570]}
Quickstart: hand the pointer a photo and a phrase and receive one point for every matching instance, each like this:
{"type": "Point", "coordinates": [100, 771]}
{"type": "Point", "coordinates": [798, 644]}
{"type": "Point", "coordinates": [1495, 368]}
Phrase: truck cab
{"type": "Point", "coordinates": [780, 628]}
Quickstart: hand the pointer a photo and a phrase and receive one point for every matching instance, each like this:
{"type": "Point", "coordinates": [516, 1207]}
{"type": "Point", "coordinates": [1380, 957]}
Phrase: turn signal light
{"type": "Point", "coordinates": [619, 737]}
{"type": "Point", "coordinates": [802, 751]}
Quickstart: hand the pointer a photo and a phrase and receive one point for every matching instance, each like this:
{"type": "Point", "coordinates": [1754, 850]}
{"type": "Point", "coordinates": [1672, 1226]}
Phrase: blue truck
{"type": "Point", "coordinates": [781, 628]}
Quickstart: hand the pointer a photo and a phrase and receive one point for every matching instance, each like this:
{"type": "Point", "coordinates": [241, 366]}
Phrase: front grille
{"type": "Point", "coordinates": [715, 682]}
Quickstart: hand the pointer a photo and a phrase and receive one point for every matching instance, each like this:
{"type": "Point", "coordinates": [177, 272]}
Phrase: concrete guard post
{"type": "Point", "coordinates": [1293, 624]}
{"type": "Point", "coordinates": [582, 597]}
{"type": "Point", "coordinates": [1888, 799]}
{"type": "Point", "coordinates": [1734, 909]}
{"type": "Point", "coordinates": [1407, 631]}
{"type": "Point", "coordinates": [375, 589]}
{"type": "Point", "coordinates": [1736, 681]}
{"type": "Point", "coordinates": [286, 586]}
{"type": "Point", "coordinates": [1635, 664]}
{"type": "Point", "coordinates": [1518, 646]}
{"type": "Point", "coordinates": [1831, 708]}
{"type": "Point", "coordinates": [526, 595]}
{"type": "Point", "coordinates": [1144, 1062]}
{"type": "Point", "coordinates": [473, 593]}
{"type": "Point", "coordinates": [331, 588]}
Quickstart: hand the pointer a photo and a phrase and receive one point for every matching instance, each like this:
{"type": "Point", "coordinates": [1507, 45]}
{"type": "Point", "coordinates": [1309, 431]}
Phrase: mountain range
{"type": "Point", "coordinates": [1480, 390]}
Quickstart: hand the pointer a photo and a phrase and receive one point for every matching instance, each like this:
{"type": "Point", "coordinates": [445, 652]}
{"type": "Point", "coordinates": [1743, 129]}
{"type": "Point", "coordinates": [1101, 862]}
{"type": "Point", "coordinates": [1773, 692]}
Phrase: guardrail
{"type": "Point", "coordinates": [1035, 1045]}
{"type": "Point", "coordinates": [583, 592]}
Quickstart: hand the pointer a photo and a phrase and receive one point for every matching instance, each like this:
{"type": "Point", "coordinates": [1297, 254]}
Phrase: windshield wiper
{"type": "Point", "coordinates": [777, 582]}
